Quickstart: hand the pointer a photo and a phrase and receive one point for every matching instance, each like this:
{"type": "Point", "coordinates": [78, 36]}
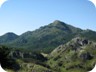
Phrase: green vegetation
{"type": "Point", "coordinates": [78, 55]}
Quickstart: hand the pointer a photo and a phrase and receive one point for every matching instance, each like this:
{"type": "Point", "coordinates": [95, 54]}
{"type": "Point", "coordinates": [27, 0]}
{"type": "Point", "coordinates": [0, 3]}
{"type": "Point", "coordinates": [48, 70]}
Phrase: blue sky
{"type": "Point", "coordinates": [19, 16]}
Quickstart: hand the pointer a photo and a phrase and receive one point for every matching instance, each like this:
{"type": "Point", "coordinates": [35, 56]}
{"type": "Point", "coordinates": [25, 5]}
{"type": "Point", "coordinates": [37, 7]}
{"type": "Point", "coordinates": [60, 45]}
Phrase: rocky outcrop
{"type": "Point", "coordinates": [28, 56]}
{"type": "Point", "coordinates": [86, 56]}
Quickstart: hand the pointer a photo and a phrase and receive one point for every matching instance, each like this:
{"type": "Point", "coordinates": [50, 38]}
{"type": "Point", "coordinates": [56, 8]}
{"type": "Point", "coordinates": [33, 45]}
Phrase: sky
{"type": "Point", "coordinates": [19, 16]}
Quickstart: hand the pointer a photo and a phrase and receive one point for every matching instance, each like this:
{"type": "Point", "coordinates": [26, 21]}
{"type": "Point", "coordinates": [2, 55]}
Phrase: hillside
{"type": "Point", "coordinates": [78, 55]}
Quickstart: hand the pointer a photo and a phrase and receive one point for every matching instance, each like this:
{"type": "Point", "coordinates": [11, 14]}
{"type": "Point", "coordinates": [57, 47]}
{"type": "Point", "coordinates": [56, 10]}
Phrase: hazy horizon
{"type": "Point", "coordinates": [19, 16]}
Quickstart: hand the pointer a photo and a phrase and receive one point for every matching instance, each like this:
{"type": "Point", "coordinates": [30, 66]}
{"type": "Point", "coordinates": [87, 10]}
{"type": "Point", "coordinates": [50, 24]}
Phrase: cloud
{"type": "Point", "coordinates": [2, 2]}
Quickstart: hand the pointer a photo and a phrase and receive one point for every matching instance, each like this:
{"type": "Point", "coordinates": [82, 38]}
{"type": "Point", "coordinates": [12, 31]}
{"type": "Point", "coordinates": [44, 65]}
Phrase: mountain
{"type": "Point", "coordinates": [8, 37]}
{"type": "Point", "coordinates": [78, 55]}
{"type": "Point", "coordinates": [47, 38]}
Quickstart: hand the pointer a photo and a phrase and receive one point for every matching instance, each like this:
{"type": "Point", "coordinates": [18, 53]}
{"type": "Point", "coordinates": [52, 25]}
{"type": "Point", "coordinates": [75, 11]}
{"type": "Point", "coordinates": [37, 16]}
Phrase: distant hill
{"type": "Point", "coordinates": [8, 37]}
{"type": "Point", "coordinates": [48, 37]}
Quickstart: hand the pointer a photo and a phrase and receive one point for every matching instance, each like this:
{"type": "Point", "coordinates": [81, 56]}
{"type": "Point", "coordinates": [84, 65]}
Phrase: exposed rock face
{"type": "Point", "coordinates": [81, 41]}
{"type": "Point", "coordinates": [86, 56]}
{"type": "Point", "coordinates": [27, 56]}
{"type": "Point", "coordinates": [19, 54]}
{"type": "Point", "coordinates": [16, 54]}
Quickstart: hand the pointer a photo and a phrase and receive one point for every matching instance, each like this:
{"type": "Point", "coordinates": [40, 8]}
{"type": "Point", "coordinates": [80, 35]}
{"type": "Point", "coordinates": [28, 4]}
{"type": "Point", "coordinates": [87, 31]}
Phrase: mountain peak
{"type": "Point", "coordinates": [8, 37]}
{"type": "Point", "coordinates": [10, 33]}
{"type": "Point", "coordinates": [58, 22]}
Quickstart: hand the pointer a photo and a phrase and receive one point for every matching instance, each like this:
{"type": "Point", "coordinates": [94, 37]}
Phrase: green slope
{"type": "Point", "coordinates": [78, 55]}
